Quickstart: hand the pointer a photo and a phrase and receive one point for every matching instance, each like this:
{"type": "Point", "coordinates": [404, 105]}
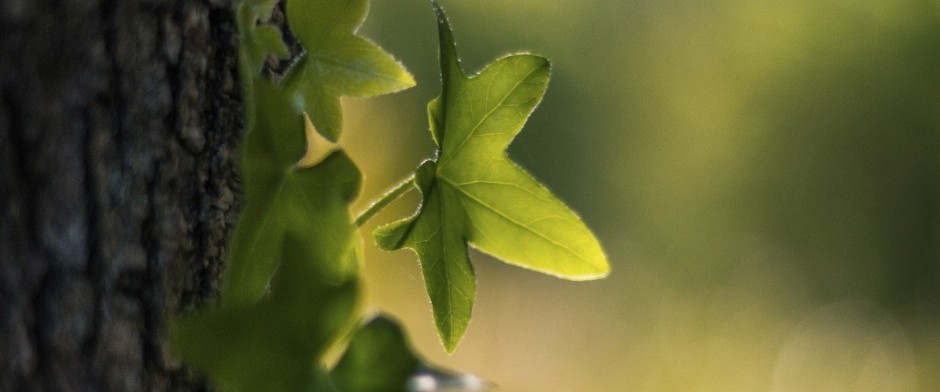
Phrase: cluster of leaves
{"type": "Point", "coordinates": [291, 291]}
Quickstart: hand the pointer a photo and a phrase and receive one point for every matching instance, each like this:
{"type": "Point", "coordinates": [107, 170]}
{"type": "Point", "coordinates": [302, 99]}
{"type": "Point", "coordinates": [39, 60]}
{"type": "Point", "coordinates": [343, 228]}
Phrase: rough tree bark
{"type": "Point", "coordinates": [118, 122]}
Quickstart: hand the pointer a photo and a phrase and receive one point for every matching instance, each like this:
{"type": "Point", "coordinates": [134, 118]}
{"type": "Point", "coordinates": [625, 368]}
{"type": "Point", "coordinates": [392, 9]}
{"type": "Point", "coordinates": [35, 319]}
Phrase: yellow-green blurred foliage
{"type": "Point", "coordinates": [764, 175]}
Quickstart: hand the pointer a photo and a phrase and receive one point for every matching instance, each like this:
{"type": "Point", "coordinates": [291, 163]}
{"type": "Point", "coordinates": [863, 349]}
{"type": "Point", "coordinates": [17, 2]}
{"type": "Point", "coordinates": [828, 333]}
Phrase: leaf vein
{"type": "Point", "coordinates": [487, 115]}
{"type": "Point", "coordinates": [517, 223]}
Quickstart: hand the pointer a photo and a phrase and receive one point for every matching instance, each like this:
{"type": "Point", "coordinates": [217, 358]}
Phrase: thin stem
{"type": "Point", "coordinates": [389, 196]}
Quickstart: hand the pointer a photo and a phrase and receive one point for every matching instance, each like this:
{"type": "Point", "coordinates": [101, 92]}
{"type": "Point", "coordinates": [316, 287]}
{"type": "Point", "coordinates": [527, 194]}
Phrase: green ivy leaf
{"type": "Point", "coordinates": [475, 194]}
{"type": "Point", "coordinates": [378, 359]}
{"type": "Point", "coordinates": [337, 61]}
{"type": "Point", "coordinates": [259, 40]}
{"type": "Point", "coordinates": [278, 343]}
{"type": "Point", "coordinates": [286, 199]}
{"type": "Point", "coordinates": [437, 234]}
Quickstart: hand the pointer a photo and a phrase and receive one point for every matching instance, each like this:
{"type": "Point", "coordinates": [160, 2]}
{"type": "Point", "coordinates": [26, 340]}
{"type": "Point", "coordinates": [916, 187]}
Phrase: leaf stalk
{"type": "Point", "coordinates": [391, 195]}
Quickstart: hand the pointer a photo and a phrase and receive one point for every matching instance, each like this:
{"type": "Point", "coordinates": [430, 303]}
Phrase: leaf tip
{"type": "Point", "coordinates": [601, 273]}
{"type": "Point", "coordinates": [451, 346]}
{"type": "Point", "coordinates": [452, 323]}
{"type": "Point", "coordinates": [451, 339]}
{"type": "Point", "coordinates": [450, 64]}
{"type": "Point", "coordinates": [600, 270]}
{"type": "Point", "coordinates": [407, 79]}
{"type": "Point", "coordinates": [437, 9]}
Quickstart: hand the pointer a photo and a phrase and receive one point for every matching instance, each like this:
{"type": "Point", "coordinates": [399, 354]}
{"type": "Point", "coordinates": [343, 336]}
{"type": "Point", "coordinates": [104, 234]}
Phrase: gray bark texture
{"type": "Point", "coordinates": [119, 121]}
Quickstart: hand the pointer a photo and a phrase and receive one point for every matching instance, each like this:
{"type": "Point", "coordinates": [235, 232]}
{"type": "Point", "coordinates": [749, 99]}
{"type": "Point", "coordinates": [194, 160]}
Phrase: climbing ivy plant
{"type": "Point", "coordinates": [290, 298]}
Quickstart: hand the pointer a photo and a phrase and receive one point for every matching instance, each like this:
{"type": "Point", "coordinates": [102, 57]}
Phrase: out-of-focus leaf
{"type": "Point", "coordinates": [378, 359]}
{"type": "Point", "coordinates": [337, 61]}
{"type": "Point", "coordinates": [475, 194]}
{"type": "Point", "coordinates": [277, 343]}
{"type": "Point", "coordinates": [310, 203]}
{"type": "Point", "coordinates": [259, 40]}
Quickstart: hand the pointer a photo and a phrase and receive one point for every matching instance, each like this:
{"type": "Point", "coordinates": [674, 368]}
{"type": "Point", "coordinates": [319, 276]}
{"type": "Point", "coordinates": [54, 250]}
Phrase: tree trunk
{"type": "Point", "coordinates": [118, 125]}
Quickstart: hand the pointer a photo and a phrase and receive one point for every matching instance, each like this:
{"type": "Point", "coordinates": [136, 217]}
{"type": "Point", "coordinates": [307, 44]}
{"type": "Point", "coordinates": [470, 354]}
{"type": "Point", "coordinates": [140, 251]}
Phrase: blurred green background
{"type": "Point", "coordinates": [764, 176]}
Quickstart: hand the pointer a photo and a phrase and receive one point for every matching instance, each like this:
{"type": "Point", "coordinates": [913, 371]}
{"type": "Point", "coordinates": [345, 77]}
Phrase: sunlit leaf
{"type": "Point", "coordinates": [337, 61]}
{"type": "Point", "coordinates": [475, 194]}
{"type": "Point", "coordinates": [436, 233]}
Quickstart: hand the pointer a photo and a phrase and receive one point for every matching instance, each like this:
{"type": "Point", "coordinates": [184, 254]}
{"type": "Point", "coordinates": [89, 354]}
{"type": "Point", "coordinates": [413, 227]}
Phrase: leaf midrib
{"type": "Point", "coordinates": [449, 285]}
{"type": "Point", "coordinates": [513, 221]}
{"type": "Point", "coordinates": [359, 71]}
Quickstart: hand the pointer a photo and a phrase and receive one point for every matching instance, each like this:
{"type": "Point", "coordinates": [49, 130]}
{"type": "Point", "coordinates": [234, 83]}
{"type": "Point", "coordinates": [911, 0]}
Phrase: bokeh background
{"type": "Point", "coordinates": [764, 176]}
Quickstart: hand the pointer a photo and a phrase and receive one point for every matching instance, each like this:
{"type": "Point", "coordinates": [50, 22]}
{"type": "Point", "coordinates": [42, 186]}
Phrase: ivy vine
{"type": "Point", "coordinates": [290, 298]}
